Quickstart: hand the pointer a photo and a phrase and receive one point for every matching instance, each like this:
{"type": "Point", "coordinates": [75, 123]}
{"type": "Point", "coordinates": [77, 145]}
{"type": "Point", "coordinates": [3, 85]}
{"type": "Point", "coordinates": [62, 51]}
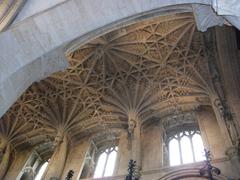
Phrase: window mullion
{"type": "Point", "coordinates": [180, 150]}
{"type": "Point", "coordinates": [105, 165]}
{"type": "Point", "coordinates": [193, 153]}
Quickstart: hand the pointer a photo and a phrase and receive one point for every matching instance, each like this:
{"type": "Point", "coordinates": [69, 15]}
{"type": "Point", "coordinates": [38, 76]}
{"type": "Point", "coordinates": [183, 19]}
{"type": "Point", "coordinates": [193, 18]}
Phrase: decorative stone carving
{"type": "Point", "coordinates": [218, 104]}
{"type": "Point", "coordinates": [229, 121]}
{"type": "Point", "coordinates": [232, 152]}
{"type": "Point", "coordinates": [233, 132]}
{"type": "Point", "coordinates": [131, 126]}
{"type": "Point", "coordinates": [58, 139]}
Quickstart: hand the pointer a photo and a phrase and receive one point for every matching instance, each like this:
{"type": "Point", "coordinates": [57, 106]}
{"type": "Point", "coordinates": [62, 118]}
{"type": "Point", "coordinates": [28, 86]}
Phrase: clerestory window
{"type": "Point", "coordinates": [106, 162]}
{"type": "Point", "coordinates": [185, 147]}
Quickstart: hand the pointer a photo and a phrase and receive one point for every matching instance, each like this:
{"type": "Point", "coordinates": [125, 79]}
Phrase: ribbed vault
{"type": "Point", "coordinates": [143, 70]}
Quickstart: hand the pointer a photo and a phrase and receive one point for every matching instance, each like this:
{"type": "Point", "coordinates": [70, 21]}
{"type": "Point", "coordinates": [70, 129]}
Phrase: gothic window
{"type": "Point", "coordinates": [41, 171]}
{"type": "Point", "coordinates": [106, 162]}
{"type": "Point", "coordinates": [185, 147]}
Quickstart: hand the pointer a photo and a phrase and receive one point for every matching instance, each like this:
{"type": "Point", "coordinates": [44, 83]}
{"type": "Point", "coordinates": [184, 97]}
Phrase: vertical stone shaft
{"type": "Point", "coordinates": [57, 162]}
{"type": "Point", "coordinates": [123, 154]}
{"type": "Point", "coordinates": [220, 119]}
{"type": "Point", "coordinates": [228, 63]}
{"type": "Point", "coordinates": [136, 144]}
{"type": "Point", "coordinates": [5, 161]}
{"type": "Point", "coordinates": [76, 158]}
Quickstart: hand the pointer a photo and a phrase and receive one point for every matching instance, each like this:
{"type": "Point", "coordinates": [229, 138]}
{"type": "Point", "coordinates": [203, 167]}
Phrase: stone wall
{"type": "Point", "coordinates": [75, 159]}
{"type": "Point", "coordinates": [212, 137]}
{"type": "Point", "coordinates": [152, 148]}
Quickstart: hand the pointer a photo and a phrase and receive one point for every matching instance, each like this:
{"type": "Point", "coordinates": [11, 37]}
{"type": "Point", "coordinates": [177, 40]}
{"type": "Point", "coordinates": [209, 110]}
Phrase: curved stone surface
{"type": "Point", "coordinates": [25, 47]}
{"type": "Point", "coordinates": [32, 7]}
{"type": "Point", "coordinates": [223, 7]}
{"type": "Point", "coordinates": [8, 10]}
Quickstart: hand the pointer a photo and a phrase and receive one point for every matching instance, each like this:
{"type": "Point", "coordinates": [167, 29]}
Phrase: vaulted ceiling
{"type": "Point", "coordinates": [146, 70]}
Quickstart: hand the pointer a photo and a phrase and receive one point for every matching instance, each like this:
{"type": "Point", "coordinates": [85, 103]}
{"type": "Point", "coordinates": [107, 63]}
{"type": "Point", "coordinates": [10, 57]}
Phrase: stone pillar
{"type": "Point", "coordinates": [134, 130]}
{"type": "Point", "coordinates": [228, 64]}
{"type": "Point", "coordinates": [3, 144]}
{"type": "Point", "coordinates": [228, 56]}
{"type": "Point", "coordinates": [210, 132]}
{"type": "Point", "coordinates": [57, 161]}
{"type": "Point", "coordinates": [5, 161]}
{"type": "Point", "coordinates": [76, 159]}
{"type": "Point", "coordinates": [219, 113]}
{"type": "Point", "coordinates": [136, 145]}
{"type": "Point", "coordinates": [123, 154]}
{"type": "Point", "coordinates": [229, 133]}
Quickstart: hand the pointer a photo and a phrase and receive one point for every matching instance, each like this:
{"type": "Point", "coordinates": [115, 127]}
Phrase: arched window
{"type": "Point", "coordinates": [106, 163]}
{"type": "Point", "coordinates": [41, 171]}
{"type": "Point", "coordinates": [185, 147]}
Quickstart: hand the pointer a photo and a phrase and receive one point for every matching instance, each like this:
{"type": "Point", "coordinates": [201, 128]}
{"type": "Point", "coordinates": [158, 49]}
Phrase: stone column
{"type": "Point", "coordinates": [5, 161]}
{"type": "Point", "coordinates": [136, 145]}
{"type": "Point", "coordinates": [57, 161]}
{"type": "Point", "coordinates": [228, 56]}
{"type": "Point", "coordinates": [3, 144]}
{"type": "Point", "coordinates": [134, 129]}
{"type": "Point", "coordinates": [123, 154]}
{"type": "Point", "coordinates": [15, 170]}
{"type": "Point", "coordinates": [228, 64]}
{"type": "Point", "coordinates": [217, 92]}
{"type": "Point", "coordinates": [219, 113]}
{"type": "Point", "coordinates": [76, 159]}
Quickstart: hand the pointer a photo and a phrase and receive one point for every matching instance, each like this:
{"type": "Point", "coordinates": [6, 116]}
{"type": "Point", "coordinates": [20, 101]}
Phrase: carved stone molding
{"type": "Point", "coordinates": [232, 152]}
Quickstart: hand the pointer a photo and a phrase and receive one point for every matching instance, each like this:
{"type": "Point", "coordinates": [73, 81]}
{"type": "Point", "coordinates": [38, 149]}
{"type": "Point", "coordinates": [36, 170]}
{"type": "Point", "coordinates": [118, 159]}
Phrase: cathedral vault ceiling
{"type": "Point", "coordinates": [143, 71]}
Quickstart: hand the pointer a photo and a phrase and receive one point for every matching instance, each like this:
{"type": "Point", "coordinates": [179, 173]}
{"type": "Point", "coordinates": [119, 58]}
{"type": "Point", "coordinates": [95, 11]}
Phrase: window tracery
{"type": "Point", "coordinates": [185, 147]}
{"type": "Point", "coordinates": [106, 162]}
